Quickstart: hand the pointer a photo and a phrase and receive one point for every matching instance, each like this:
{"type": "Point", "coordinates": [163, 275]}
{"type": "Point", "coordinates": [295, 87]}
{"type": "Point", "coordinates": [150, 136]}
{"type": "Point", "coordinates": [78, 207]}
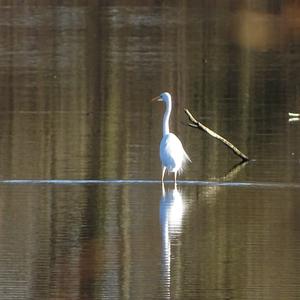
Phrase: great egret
{"type": "Point", "coordinates": [172, 155]}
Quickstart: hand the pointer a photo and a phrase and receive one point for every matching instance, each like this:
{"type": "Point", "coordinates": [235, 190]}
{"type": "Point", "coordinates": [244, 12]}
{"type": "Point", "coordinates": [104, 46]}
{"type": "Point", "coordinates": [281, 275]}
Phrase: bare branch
{"type": "Point", "coordinates": [199, 125]}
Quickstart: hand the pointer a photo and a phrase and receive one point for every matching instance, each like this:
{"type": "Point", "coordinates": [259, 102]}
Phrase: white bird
{"type": "Point", "coordinates": [172, 155]}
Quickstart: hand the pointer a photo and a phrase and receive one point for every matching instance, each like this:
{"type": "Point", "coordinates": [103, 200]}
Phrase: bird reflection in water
{"type": "Point", "coordinates": [172, 209]}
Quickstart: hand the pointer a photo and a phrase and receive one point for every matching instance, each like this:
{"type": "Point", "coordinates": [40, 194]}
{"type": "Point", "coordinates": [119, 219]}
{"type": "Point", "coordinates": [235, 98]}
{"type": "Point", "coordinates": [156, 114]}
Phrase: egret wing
{"type": "Point", "coordinates": [172, 154]}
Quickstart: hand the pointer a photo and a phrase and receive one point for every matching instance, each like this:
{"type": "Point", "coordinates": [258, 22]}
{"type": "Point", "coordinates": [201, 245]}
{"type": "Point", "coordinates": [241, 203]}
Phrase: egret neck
{"type": "Point", "coordinates": [166, 129]}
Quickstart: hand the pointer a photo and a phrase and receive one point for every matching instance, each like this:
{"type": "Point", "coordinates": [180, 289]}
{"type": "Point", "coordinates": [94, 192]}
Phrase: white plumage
{"type": "Point", "coordinates": [172, 155]}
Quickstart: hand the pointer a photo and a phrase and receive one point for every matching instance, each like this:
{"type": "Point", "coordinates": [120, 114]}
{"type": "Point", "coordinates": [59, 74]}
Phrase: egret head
{"type": "Point", "coordinates": [164, 97]}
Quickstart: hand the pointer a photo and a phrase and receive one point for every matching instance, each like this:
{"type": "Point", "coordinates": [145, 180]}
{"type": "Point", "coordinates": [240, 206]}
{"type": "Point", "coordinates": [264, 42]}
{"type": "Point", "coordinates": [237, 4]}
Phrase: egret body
{"type": "Point", "coordinates": [172, 155]}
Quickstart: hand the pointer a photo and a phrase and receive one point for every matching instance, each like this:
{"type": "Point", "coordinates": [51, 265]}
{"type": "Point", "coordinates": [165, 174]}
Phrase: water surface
{"type": "Point", "coordinates": [83, 214]}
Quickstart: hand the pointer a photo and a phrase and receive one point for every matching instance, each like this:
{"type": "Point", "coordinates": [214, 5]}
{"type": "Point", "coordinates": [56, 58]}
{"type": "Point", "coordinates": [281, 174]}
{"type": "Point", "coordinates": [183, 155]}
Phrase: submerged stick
{"type": "Point", "coordinates": [197, 124]}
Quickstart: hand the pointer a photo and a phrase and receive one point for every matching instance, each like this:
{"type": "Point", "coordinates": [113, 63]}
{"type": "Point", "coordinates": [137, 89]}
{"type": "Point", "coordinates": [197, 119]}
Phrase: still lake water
{"type": "Point", "coordinates": [83, 214]}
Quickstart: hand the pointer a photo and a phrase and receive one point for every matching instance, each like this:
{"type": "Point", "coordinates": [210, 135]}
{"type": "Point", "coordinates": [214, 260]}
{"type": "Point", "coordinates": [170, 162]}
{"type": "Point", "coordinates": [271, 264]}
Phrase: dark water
{"type": "Point", "coordinates": [83, 214]}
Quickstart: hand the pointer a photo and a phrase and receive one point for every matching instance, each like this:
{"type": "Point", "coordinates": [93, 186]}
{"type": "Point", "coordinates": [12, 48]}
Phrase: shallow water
{"type": "Point", "coordinates": [83, 214]}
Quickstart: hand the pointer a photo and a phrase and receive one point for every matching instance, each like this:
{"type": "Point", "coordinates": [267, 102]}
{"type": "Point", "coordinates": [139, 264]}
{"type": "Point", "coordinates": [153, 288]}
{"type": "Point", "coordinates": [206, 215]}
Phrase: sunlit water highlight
{"type": "Point", "coordinates": [141, 182]}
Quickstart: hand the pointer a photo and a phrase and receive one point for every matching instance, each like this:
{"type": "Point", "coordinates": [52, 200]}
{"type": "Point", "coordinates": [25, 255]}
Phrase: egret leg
{"type": "Point", "coordinates": [163, 174]}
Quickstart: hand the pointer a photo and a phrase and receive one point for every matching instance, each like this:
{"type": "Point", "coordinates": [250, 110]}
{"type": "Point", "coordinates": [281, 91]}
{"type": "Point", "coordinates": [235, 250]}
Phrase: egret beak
{"type": "Point", "coordinates": [157, 98]}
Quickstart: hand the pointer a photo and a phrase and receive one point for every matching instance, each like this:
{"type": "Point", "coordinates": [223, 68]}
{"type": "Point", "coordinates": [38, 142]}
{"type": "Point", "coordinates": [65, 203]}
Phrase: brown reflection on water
{"type": "Point", "coordinates": [75, 83]}
{"type": "Point", "coordinates": [249, 238]}
{"type": "Point", "coordinates": [110, 241]}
